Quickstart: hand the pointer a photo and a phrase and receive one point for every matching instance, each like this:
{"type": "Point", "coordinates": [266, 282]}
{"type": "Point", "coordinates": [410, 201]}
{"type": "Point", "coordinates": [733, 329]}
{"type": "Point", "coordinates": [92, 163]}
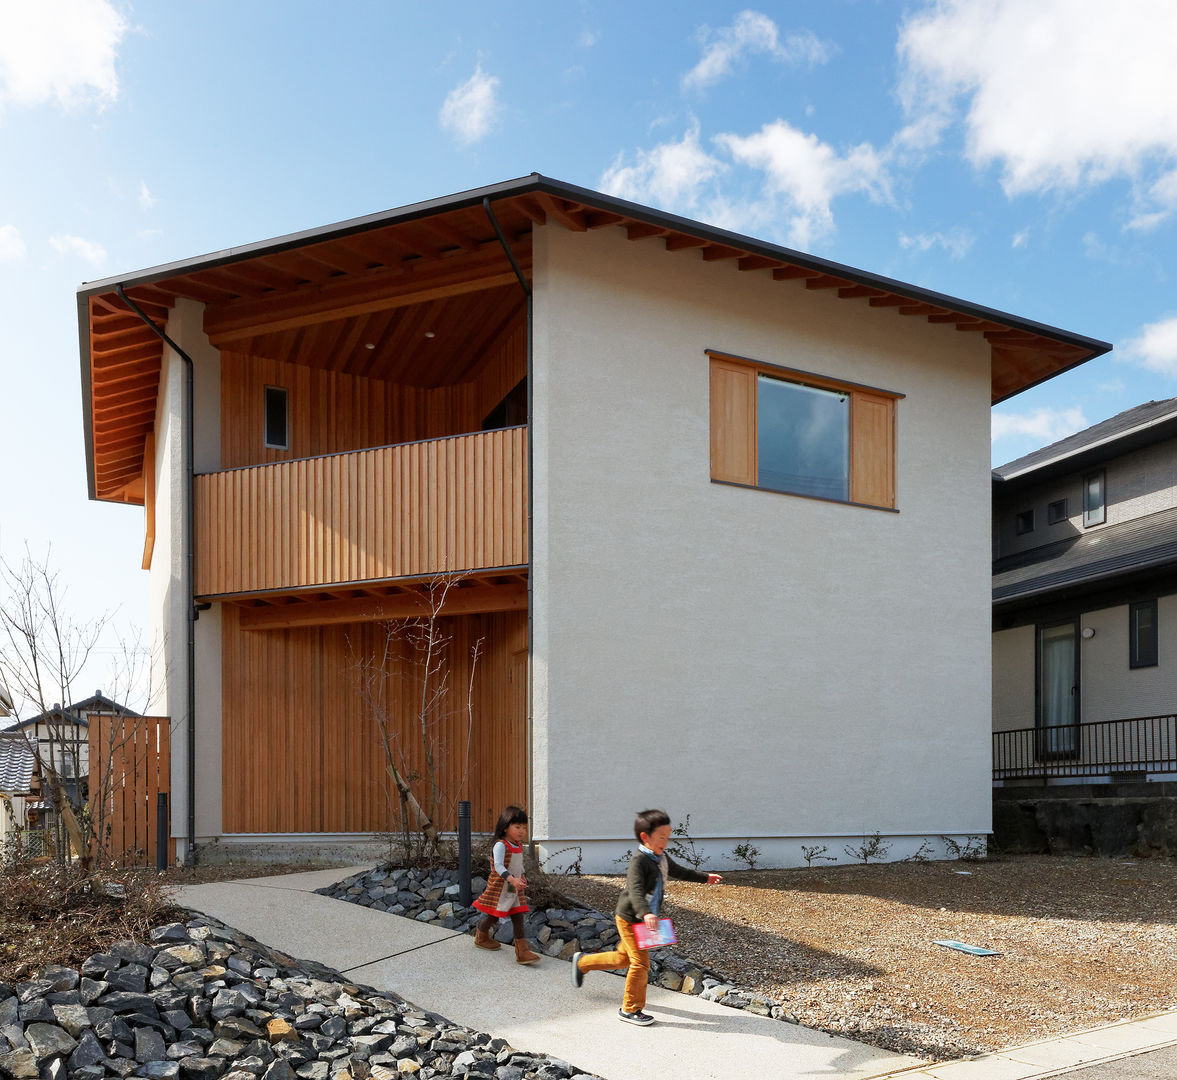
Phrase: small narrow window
{"type": "Point", "coordinates": [1056, 512]}
{"type": "Point", "coordinates": [1142, 634]}
{"type": "Point", "coordinates": [1093, 499]}
{"type": "Point", "coordinates": [1024, 522]}
{"type": "Point", "coordinates": [277, 434]}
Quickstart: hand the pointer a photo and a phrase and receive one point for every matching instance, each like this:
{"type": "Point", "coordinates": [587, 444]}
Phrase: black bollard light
{"type": "Point", "coordinates": [464, 890]}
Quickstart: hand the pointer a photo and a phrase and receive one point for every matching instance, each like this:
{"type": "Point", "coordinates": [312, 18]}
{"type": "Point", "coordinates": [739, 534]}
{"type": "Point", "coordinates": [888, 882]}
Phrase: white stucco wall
{"type": "Point", "coordinates": [168, 581]}
{"type": "Point", "coordinates": [777, 667]}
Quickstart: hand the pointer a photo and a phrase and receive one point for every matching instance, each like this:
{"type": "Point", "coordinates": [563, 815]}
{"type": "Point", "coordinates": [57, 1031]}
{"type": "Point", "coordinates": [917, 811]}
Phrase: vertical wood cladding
{"type": "Point", "coordinates": [399, 511]}
{"type": "Point", "coordinates": [332, 412]}
{"type": "Point", "coordinates": [302, 751]}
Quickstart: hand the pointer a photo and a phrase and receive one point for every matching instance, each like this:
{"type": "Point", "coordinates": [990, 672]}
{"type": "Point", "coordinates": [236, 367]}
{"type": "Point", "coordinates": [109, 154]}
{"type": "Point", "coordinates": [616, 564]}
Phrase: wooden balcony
{"type": "Point", "coordinates": [412, 510]}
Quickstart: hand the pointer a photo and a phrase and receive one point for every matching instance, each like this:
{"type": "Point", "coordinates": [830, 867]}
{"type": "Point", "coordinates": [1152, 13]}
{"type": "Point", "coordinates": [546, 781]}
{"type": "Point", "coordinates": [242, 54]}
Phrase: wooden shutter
{"type": "Point", "coordinates": [733, 422]}
{"type": "Point", "coordinates": [872, 449]}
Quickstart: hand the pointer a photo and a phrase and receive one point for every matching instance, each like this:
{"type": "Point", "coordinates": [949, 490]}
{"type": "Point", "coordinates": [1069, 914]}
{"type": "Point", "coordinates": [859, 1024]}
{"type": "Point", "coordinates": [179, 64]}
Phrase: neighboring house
{"type": "Point", "coordinates": [1085, 605]}
{"type": "Point", "coordinates": [62, 740]}
{"type": "Point", "coordinates": [16, 782]}
{"type": "Point", "coordinates": [719, 510]}
{"type": "Point", "coordinates": [5, 704]}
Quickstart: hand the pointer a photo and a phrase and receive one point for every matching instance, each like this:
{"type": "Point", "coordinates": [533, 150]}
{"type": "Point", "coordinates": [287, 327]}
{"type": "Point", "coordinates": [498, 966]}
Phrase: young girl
{"type": "Point", "coordinates": [504, 890]}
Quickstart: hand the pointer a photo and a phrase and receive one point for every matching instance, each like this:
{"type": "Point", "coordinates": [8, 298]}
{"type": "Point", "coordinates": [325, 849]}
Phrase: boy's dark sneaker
{"type": "Point", "coordinates": [640, 1018]}
{"type": "Point", "coordinates": [577, 974]}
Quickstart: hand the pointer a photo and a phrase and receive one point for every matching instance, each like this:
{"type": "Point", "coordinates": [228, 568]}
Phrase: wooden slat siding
{"type": "Point", "coordinates": [139, 770]}
{"type": "Point", "coordinates": [872, 450]}
{"type": "Point", "coordinates": [733, 422]}
{"type": "Point", "coordinates": [455, 504]}
{"type": "Point", "coordinates": [332, 412]}
{"type": "Point", "coordinates": [300, 753]}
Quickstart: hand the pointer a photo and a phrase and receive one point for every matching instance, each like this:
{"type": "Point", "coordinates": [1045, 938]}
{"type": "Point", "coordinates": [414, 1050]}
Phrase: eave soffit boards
{"type": "Point", "coordinates": [358, 291]}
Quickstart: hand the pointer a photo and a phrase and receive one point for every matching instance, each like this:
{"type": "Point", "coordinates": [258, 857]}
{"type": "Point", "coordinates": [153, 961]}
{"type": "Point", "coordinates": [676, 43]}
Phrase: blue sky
{"type": "Point", "coordinates": [1022, 156]}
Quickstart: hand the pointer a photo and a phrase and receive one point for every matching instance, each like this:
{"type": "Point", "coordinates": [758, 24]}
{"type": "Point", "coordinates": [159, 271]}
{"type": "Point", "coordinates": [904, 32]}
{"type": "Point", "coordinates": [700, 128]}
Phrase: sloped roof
{"type": "Point", "coordinates": [339, 291]}
{"type": "Point", "coordinates": [1131, 429]}
{"type": "Point", "coordinates": [1145, 544]}
{"type": "Point", "coordinates": [16, 764]}
{"type": "Point", "coordinates": [78, 712]}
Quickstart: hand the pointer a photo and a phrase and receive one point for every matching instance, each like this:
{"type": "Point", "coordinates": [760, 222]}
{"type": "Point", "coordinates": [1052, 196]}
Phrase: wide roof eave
{"type": "Point", "coordinates": [608, 203]}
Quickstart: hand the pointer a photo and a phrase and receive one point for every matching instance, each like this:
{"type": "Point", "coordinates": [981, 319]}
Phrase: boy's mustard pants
{"type": "Point", "coordinates": [627, 955]}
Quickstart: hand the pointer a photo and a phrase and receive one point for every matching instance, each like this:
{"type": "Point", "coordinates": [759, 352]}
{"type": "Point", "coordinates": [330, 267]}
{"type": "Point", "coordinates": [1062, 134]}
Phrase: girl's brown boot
{"type": "Point", "coordinates": [523, 953]}
{"type": "Point", "coordinates": [484, 941]}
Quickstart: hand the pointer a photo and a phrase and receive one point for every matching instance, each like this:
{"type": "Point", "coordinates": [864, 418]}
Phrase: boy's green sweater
{"type": "Point", "coordinates": [640, 879]}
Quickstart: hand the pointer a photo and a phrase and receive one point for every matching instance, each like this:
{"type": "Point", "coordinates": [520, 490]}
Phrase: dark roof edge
{"type": "Point", "coordinates": [538, 183]}
{"type": "Point", "coordinates": [1146, 433]}
{"type": "Point", "coordinates": [1103, 576]}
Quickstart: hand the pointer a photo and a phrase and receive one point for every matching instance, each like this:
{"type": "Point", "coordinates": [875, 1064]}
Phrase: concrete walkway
{"type": "Point", "coordinates": [536, 1008]}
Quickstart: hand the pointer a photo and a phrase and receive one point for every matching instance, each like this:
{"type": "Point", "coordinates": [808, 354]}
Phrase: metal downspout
{"type": "Point", "coordinates": [190, 582]}
{"type": "Point", "coordinates": [530, 501]}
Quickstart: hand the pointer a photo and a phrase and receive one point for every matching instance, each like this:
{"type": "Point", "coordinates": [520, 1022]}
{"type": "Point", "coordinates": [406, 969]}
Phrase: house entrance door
{"type": "Point", "coordinates": [1057, 717]}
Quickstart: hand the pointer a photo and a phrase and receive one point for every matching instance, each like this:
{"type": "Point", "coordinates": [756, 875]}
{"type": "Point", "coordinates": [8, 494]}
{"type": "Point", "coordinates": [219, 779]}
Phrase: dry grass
{"type": "Point", "coordinates": [50, 915]}
{"type": "Point", "coordinates": [850, 949]}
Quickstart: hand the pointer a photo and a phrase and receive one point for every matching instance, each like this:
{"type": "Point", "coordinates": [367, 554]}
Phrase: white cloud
{"type": "Point", "coordinates": [1020, 239]}
{"type": "Point", "coordinates": [93, 253]}
{"type": "Point", "coordinates": [956, 241]}
{"type": "Point", "coordinates": [12, 247]}
{"type": "Point", "coordinates": [1059, 93]}
{"type": "Point", "coordinates": [146, 199]}
{"type": "Point", "coordinates": [62, 50]}
{"type": "Point", "coordinates": [1115, 386]}
{"type": "Point", "coordinates": [751, 32]}
{"type": "Point", "coordinates": [670, 175]}
{"type": "Point", "coordinates": [471, 109]}
{"type": "Point", "coordinates": [804, 174]}
{"type": "Point", "coordinates": [1155, 347]}
{"type": "Point", "coordinates": [1045, 425]}
{"type": "Point", "coordinates": [793, 178]}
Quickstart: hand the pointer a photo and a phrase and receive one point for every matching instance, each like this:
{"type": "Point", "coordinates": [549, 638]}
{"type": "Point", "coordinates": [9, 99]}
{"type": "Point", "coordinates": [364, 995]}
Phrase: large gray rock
{"type": "Point", "coordinates": [48, 1040]}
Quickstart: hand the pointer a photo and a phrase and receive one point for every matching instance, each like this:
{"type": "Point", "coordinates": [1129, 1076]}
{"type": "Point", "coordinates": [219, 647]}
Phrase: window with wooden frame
{"type": "Point", "coordinates": [795, 432]}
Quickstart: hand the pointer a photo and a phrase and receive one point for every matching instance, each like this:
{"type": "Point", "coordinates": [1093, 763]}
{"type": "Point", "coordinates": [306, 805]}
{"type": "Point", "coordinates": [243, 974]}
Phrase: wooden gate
{"type": "Point", "coordinates": [130, 767]}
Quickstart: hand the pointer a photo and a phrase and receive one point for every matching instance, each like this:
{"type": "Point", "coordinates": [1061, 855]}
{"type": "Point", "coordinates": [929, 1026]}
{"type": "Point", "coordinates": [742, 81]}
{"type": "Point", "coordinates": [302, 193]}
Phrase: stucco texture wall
{"type": "Point", "coordinates": [773, 665]}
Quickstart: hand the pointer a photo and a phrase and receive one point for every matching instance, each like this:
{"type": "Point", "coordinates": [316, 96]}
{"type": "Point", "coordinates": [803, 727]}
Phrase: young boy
{"type": "Point", "coordinates": [639, 901]}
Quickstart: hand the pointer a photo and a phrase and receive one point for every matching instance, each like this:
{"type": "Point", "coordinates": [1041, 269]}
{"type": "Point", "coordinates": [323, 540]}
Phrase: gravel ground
{"type": "Point", "coordinates": [850, 949]}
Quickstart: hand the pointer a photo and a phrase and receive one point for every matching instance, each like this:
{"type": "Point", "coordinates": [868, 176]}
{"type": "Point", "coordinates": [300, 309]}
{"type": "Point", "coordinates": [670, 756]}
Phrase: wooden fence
{"type": "Point", "coordinates": [130, 767]}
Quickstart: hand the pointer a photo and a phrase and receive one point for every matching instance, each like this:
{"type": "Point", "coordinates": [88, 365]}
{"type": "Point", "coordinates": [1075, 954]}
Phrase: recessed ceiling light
{"type": "Point", "coordinates": [369, 346]}
{"type": "Point", "coordinates": [429, 333]}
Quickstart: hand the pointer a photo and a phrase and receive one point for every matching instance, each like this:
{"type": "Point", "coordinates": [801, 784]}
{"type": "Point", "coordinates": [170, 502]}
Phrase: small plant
{"type": "Point", "coordinates": [872, 847]}
{"type": "Point", "coordinates": [684, 847]}
{"type": "Point", "coordinates": [747, 852]}
{"type": "Point", "coordinates": [971, 850]}
{"type": "Point", "coordinates": [924, 854]}
{"type": "Point", "coordinates": [817, 851]}
{"type": "Point", "coordinates": [623, 859]}
{"type": "Point", "coordinates": [573, 868]}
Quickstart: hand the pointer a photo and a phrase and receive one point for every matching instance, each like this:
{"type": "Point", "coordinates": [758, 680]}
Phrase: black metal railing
{"type": "Point", "coordinates": [1146, 744]}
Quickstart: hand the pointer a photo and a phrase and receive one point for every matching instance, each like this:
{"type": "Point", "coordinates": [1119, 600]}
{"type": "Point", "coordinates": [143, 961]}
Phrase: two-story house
{"type": "Point", "coordinates": [718, 511]}
{"type": "Point", "coordinates": [1085, 608]}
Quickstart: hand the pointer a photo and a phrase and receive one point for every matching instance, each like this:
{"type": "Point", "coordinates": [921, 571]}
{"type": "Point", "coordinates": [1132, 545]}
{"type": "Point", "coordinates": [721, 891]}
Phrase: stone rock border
{"type": "Point", "coordinates": [431, 896]}
{"type": "Point", "coordinates": [203, 1001]}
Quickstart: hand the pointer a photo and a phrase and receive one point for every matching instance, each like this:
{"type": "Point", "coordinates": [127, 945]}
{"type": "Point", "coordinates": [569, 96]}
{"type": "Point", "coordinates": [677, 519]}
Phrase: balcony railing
{"type": "Point", "coordinates": [453, 504]}
{"type": "Point", "coordinates": [1144, 744]}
